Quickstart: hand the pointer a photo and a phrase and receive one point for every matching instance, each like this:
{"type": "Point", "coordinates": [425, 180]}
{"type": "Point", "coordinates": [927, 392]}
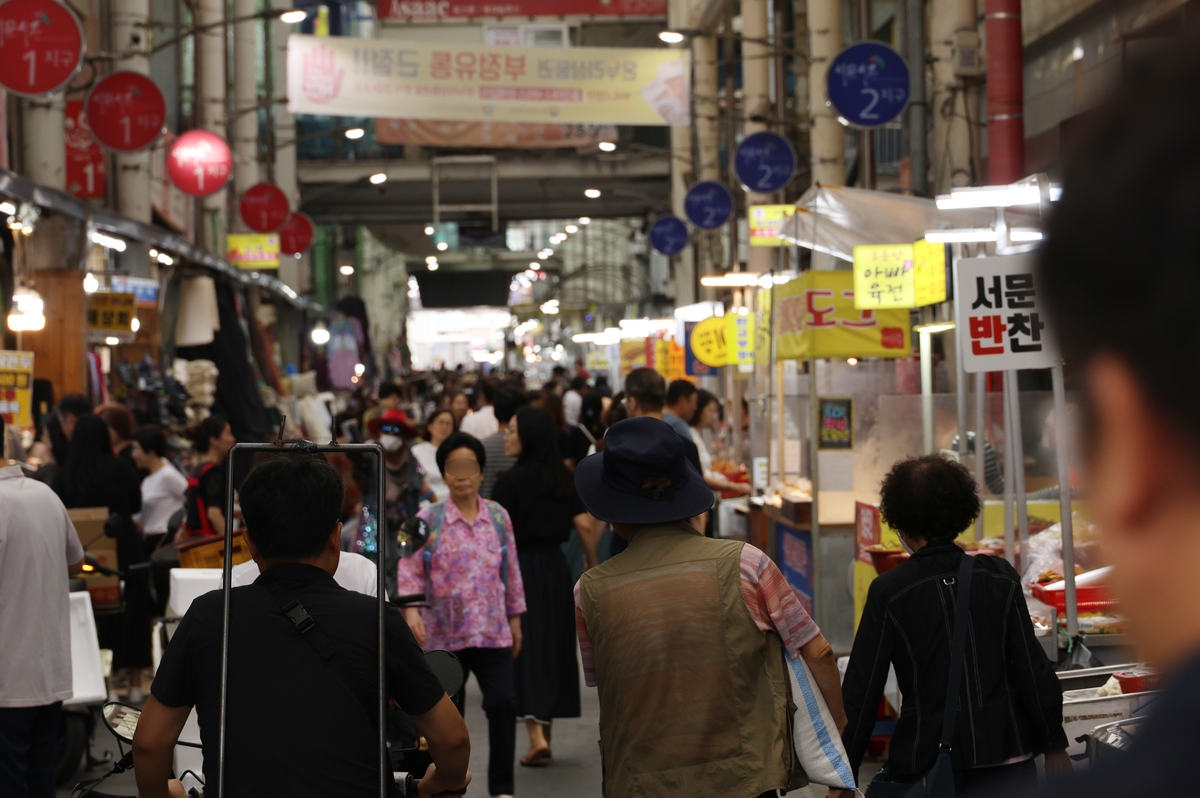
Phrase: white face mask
{"type": "Point", "coordinates": [391, 443]}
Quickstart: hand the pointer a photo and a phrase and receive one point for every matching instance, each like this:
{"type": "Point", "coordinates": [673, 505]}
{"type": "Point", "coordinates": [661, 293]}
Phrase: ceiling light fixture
{"type": "Point", "coordinates": [591, 193]}
{"type": "Point", "coordinates": [293, 16]}
{"type": "Point", "coordinates": [607, 146]}
{"type": "Point", "coordinates": [378, 178]}
{"type": "Point", "coordinates": [429, 230]}
{"type": "Point", "coordinates": [572, 229]}
{"type": "Point", "coordinates": [585, 220]}
{"type": "Point", "coordinates": [355, 133]}
{"type": "Point", "coordinates": [347, 270]}
{"type": "Point", "coordinates": [442, 246]}
{"type": "Point", "coordinates": [671, 36]}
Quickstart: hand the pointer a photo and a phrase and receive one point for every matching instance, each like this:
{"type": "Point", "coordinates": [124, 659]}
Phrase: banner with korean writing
{"type": "Point", "coordinates": [1000, 325]}
{"type": "Point", "coordinates": [739, 339]}
{"type": "Point", "coordinates": [427, 80]}
{"type": "Point", "coordinates": [252, 250]}
{"type": "Point", "coordinates": [762, 326]}
{"type": "Point", "coordinates": [765, 223]}
{"type": "Point", "coordinates": [633, 355]}
{"type": "Point", "coordinates": [816, 318]}
{"type": "Point", "coordinates": [474, 9]}
{"type": "Point", "coordinates": [520, 135]}
{"type": "Point", "coordinates": [16, 388]}
{"type": "Point", "coordinates": [899, 275]}
{"type": "Point", "coordinates": [111, 315]}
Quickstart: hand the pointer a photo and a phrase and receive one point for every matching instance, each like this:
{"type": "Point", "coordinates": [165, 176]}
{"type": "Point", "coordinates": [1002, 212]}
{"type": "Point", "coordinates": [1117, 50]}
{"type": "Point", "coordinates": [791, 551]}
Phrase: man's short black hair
{"type": "Point", "coordinates": [648, 387]}
{"type": "Point", "coordinates": [679, 390]}
{"type": "Point", "coordinates": [389, 389]}
{"type": "Point", "coordinates": [152, 439]}
{"type": "Point", "coordinates": [508, 402]}
{"type": "Point", "coordinates": [460, 440]}
{"type": "Point", "coordinates": [291, 506]}
{"type": "Point", "coordinates": [209, 428]}
{"type": "Point", "coordinates": [578, 383]}
{"type": "Point", "coordinates": [1120, 269]}
{"type": "Point", "coordinates": [488, 389]}
{"type": "Point", "coordinates": [75, 404]}
{"type": "Point", "coordinates": [929, 497]}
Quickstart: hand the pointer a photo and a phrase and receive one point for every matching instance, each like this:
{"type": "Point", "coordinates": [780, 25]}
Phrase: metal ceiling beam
{"type": "Point", "coordinates": [624, 166]}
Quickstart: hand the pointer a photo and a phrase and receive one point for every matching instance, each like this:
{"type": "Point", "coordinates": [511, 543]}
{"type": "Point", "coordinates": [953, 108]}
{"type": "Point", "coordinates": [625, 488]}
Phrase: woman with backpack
{"type": "Point", "coordinates": [471, 578]}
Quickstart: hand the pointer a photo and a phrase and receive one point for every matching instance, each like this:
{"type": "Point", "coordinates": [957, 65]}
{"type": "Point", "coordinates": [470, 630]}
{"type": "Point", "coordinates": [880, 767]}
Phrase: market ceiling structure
{"type": "Point", "coordinates": [633, 183]}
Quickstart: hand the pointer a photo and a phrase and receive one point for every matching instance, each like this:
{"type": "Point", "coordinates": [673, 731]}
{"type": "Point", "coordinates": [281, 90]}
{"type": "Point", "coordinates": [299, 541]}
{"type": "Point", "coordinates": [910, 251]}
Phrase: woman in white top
{"type": "Point", "coordinates": [164, 490]}
{"type": "Point", "coordinates": [440, 425]}
{"type": "Point", "coordinates": [707, 416]}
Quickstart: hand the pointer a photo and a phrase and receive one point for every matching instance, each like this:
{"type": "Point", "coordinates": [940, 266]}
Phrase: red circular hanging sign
{"type": "Point", "coordinates": [297, 234]}
{"type": "Point", "coordinates": [199, 163]}
{"type": "Point", "coordinates": [264, 208]}
{"type": "Point", "coordinates": [126, 111]}
{"type": "Point", "coordinates": [41, 46]}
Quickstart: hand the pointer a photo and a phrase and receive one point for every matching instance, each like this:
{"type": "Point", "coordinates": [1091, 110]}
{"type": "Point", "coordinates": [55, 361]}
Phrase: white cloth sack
{"type": "Point", "coordinates": [818, 744]}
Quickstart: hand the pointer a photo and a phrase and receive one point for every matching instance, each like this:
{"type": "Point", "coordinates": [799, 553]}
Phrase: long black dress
{"type": "Point", "coordinates": [546, 674]}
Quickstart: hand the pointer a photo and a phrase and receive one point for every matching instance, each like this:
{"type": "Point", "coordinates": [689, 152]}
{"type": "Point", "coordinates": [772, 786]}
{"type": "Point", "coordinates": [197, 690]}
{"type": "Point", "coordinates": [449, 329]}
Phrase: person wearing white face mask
{"type": "Point", "coordinates": [405, 478]}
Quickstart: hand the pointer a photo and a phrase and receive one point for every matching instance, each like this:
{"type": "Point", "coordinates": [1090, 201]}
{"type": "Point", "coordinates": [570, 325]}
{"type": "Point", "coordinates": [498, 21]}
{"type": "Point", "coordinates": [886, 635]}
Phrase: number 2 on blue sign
{"type": "Point", "coordinates": [868, 112]}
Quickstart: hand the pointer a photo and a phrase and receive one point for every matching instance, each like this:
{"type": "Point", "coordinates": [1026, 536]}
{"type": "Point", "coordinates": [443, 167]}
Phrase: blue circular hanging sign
{"type": "Point", "coordinates": [765, 162]}
{"type": "Point", "coordinates": [868, 84]}
{"type": "Point", "coordinates": [668, 235]}
{"type": "Point", "coordinates": [708, 204]}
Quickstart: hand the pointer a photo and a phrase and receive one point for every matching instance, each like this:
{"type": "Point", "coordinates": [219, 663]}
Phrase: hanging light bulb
{"type": "Point", "coordinates": [26, 314]}
{"type": "Point", "coordinates": [90, 284]}
{"type": "Point", "coordinates": [320, 334]}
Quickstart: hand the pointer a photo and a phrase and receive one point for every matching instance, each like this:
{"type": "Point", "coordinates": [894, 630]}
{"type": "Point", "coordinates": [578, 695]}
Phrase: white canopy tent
{"type": "Point", "coordinates": [836, 219]}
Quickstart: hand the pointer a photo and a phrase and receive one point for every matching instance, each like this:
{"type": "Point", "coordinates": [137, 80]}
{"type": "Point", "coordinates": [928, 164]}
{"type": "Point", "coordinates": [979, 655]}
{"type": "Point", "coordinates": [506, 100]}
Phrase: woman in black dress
{"type": "Point", "coordinates": [92, 476]}
{"type": "Point", "coordinates": [539, 495]}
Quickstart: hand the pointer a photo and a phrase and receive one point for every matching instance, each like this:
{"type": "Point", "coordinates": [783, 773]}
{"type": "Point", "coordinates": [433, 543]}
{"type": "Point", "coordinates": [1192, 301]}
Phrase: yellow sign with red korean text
{"type": "Point", "coordinates": [765, 223]}
{"type": "Point", "coordinates": [815, 317]}
{"type": "Point", "coordinates": [16, 388]}
{"type": "Point", "coordinates": [338, 76]}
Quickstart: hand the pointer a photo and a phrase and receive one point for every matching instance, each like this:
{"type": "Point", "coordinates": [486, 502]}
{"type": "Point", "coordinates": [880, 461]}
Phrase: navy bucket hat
{"type": "Point", "coordinates": [642, 476]}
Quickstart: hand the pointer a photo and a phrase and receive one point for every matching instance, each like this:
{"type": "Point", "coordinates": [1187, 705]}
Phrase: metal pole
{"type": "Point", "coordinates": [1008, 475]}
{"type": "Point", "coordinates": [914, 30]}
{"type": "Point", "coordinates": [980, 441]}
{"type": "Point", "coordinates": [866, 137]}
{"type": "Point", "coordinates": [1064, 496]}
{"type": "Point", "coordinates": [814, 451]}
{"type": "Point", "coordinates": [926, 340]}
{"type": "Point", "coordinates": [1014, 409]}
{"type": "Point", "coordinates": [960, 399]}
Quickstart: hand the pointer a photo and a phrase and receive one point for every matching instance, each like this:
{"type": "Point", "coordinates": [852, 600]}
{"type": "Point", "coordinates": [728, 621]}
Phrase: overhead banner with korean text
{"type": "Point", "coordinates": [899, 275]}
{"type": "Point", "coordinates": [1000, 324]}
{"type": "Point", "coordinates": [474, 9]}
{"type": "Point", "coordinates": [339, 76]}
{"type": "Point", "coordinates": [816, 318]}
{"type": "Point", "coordinates": [521, 135]}
{"type": "Point", "coordinates": [253, 250]}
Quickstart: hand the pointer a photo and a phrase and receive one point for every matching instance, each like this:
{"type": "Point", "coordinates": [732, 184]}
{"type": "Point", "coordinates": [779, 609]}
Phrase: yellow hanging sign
{"type": "Point", "coordinates": [16, 388]}
{"type": "Point", "coordinates": [762, 331]}
{"type": "Point", "coordinates": [708, 341]}
{"type": "Point", "coordinates": [899, 275]}
{"type": "Point", "coordinates": [633, 355]}
{"type": "Point", "coordinates": [766, 221]}
{"type": "Point", "coordinates": [111, 315]}
{"type": "Point", "coordinates": [816, 318]}
{"type": "Point", "coordinates": [253, 250]}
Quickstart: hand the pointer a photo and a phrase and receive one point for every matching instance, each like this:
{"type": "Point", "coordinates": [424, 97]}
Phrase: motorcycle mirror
{"type": "Point", "coordinates": [418, 530]}
{"type": "Point", "coordinates": [449, 671]}
{"type": "Point", "coordinates": [121, 720]}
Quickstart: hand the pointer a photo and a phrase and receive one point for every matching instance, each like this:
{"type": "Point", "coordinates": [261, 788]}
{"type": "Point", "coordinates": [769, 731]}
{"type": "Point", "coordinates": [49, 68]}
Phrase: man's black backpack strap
{"type": "Point", "coordinates": [303, 622]}
{"type": "Point", "coordinates": [958, 648]}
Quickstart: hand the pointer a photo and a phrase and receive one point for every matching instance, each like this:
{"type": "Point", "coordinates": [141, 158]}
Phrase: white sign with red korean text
{"type": "Point", "coordinates": [1001, 324]}
{"type": "Point", "coordinates": [332, 75]}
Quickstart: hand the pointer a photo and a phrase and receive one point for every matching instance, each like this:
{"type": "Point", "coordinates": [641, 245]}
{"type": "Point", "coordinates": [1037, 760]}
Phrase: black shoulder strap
{"type": "Point", "coordinates": [303, 622]}
{"type": "Point", "coordinates": [958, 648]}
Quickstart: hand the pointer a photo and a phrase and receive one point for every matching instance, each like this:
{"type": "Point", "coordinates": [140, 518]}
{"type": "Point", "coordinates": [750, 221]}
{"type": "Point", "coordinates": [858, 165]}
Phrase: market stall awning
{"type": "Point", "coordinates": [836, 219]}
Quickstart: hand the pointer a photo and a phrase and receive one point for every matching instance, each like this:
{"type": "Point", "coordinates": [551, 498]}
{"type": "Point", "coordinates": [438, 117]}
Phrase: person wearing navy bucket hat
{"type": "Point", "coordinates": [685, 636]}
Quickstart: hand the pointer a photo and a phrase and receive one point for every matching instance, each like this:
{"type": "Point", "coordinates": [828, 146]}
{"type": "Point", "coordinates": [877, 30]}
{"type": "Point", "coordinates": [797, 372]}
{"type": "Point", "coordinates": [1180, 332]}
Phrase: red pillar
{"type": "Point", "coordinates": [1005, 92]}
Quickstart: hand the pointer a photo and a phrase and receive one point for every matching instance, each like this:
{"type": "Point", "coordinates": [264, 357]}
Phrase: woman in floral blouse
{"type": "Point", "coordinates": [470, 574]}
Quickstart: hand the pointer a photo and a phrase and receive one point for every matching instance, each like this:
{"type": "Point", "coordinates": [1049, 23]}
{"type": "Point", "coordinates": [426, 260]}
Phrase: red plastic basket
{"type": "Point", "coordinates": [1088, 598]}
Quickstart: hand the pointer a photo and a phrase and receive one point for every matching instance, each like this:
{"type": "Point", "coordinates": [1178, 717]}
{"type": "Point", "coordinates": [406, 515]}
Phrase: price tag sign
{"type": "Point", "coordinates": [668, 235]}
{"type": "Point", "coordinates": [41, 46]}
{"type": "Point", "coordinates": [264, 208]}
{"type": "Point", "coordinates": [199, 163]}
{"type": "Point", "coordinates": [296, 235]}
{"type": "Point", "coordinates": [16, 388]}
{"type": "Point", "coordinates": [708, 204]}
{"type": "Point", "coordinates": [868, 84]}
{"type": "Point", "coordinates": [126, 111]}
{"type": "Point", "coordinates": [765, 162]}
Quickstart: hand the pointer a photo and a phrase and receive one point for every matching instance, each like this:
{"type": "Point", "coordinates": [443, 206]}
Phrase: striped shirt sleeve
{"type": "Point", "coordinates": [772, 602]}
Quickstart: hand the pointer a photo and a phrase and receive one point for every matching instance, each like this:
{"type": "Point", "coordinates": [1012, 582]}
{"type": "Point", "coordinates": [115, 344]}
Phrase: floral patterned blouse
{"type": "Point", "coordinates": [469, 604]}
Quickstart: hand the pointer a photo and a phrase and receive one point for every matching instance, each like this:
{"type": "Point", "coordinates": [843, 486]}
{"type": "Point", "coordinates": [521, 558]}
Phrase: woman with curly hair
{"type": "Point", "coordinates": [1010, 702]}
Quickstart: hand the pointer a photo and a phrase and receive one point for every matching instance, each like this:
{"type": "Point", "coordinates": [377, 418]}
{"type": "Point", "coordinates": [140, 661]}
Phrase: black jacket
{"type": "Point", "coordinates": [1010, 700]}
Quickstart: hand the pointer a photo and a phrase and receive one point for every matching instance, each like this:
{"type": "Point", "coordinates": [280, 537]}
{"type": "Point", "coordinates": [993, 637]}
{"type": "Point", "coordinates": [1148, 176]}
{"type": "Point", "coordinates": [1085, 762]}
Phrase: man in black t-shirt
{"type": "Point", "coordinates": [302, 709]}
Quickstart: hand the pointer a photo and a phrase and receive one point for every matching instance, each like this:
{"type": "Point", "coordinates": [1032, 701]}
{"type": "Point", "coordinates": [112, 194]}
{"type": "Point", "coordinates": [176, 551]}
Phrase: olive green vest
{"type": "Point", "coordinates": [694, 698]}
